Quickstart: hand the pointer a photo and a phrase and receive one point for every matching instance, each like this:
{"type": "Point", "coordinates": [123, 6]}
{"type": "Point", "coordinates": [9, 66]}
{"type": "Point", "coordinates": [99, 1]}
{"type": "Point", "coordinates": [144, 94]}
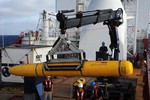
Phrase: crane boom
{"type": "Point", "coordinates": [90, 17]}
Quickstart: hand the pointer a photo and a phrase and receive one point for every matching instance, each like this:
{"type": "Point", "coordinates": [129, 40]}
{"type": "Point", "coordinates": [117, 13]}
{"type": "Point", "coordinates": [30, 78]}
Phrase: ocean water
{"type": "Point", "coordinates": [6, 40]}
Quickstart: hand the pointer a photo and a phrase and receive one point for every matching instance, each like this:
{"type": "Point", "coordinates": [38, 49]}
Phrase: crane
{"type": "Point", "coordinates": [72, 62]}
{"type": "Point", "coordinates": [109, 17]}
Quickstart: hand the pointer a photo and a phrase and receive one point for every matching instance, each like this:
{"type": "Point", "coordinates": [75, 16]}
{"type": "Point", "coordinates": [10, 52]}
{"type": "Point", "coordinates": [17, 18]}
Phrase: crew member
{"type": "Point", "coordinates": [48, 88]}
{"type": "Point", "coordinates": [103, 51]}
{"type": "Point", "coordinates": [145, 54]}
{"type": "Point", "coordinates": [145, 80]}
{"type": "Point", "coordinates": [80, 92]}
{"type": "Point", "coordinates": [103, 48]}
{"type": "Point", "coordinates": [97, 92]}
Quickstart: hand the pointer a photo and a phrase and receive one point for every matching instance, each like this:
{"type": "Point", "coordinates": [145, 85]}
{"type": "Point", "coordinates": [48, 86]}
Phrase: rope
{"type": "Point", "coordinates": [23, 56]}
{"type": "Point", "coordinates": [38, 22]}
{"type": "Point", "coordinates": [37, 54]}
{"type": "Point", "coordinates": [8, 56]}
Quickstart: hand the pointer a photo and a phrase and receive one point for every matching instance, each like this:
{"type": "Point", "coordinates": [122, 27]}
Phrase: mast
{"type": "Point", "coordinates": [46, 25]}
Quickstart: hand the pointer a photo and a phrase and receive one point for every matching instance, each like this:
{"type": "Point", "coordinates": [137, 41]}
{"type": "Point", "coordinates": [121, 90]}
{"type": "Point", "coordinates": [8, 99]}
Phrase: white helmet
{"type": "Point", "coordinates": [80, 85]}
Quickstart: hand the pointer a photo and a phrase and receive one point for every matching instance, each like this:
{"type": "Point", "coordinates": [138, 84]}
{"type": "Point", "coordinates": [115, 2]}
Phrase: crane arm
{"type": "Point", "coordinates": [108, 16]}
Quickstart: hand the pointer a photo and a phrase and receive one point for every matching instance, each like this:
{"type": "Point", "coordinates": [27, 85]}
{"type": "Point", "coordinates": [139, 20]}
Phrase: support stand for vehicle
{"type": "Point", "coordinates": [33, 88]}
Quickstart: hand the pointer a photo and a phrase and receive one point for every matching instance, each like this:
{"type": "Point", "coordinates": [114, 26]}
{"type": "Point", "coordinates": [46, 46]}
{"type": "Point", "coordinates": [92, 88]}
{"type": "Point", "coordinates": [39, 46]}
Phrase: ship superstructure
{"type": "Point", "coordinates": [137, 24]}
{"type": "Point", "coordinates": [30, 47]}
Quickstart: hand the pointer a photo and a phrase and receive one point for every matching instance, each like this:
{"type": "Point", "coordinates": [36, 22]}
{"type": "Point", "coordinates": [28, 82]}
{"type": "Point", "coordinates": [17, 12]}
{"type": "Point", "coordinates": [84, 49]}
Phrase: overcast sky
{"type": "Point", "coordinates": [22, 15]}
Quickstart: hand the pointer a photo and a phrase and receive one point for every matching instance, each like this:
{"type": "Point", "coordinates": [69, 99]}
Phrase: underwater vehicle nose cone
{"type": "Point", "coordinates": [5, 72]}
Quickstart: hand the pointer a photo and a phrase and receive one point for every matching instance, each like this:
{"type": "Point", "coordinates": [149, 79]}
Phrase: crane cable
{"type": "Point", "coordinates": [37, 54]}
{"type": "Point", "coordinates": [7, 55]}
{"type": "Point", "coordinates": [23, 56]}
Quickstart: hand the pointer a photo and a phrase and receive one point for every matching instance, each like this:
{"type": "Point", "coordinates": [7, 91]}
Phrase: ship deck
{"type": "Point", "coordinates": [139, 88]}
{"type": "Point", "coordinates": [63, 88]}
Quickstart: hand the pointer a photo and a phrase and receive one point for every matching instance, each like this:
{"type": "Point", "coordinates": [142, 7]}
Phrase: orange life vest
{"type": "Point", "coordinates": [80, 94]}
{"type": "Point", "coordinates": [96, 91]}
{"type": "Point", "coordinates": [48, 84]}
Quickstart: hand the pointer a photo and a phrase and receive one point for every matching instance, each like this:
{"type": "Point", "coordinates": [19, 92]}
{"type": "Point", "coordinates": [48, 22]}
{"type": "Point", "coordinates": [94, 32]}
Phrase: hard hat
{"type": "Point", "coordinates": [80, 85]}
{"type": "Point", "coordinates": [81, 80]}
{"type": "Point", "coordinates": [93, 84]}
